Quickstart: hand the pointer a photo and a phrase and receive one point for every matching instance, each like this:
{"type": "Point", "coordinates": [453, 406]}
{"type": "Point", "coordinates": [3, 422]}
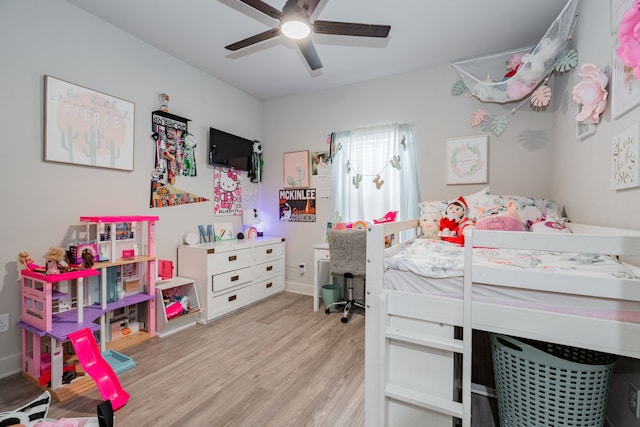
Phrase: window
{"type": "Point", "coordinates": [373, 172]}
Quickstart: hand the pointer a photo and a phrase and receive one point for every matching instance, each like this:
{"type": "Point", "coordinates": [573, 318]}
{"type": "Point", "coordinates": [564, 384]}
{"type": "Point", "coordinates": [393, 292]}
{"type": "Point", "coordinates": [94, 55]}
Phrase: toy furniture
{"type": "Point", "coordinates": [54, 306]}
{"type": "Point", "coordinates": [90, 357]}
{"type": "Point", "coordinates": [231, 274]}
{"type": "Point", "coordinates": [166, 323]}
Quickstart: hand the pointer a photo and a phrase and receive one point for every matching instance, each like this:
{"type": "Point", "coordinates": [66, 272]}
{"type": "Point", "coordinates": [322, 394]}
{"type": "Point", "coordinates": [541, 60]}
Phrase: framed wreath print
{"type": "Point", "coordinates": [467, 160]}
{"type": "Point", "coordinates": [625, 89]}
{"type": "Point", "coordinates": [86, 127]}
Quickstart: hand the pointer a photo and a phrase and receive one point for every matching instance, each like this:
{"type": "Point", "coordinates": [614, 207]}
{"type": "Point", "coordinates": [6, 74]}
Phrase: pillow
{"type": "Point", "coordinates": [500, 218]}
{"type": "Point", "coordinates": [529, 209]}
{"type": "Point", "coordinates": [549, 225]}
{"type": "Point", "coordinates": [472, 200]}
{"type": "Point", "coordinates": [475, 200]}
{"type": "Point", "coordinates": [35, 410]}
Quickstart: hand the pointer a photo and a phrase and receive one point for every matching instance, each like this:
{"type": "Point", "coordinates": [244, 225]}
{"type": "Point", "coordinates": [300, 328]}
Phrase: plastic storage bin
{"type": "Point", "coordinates": [544, 384]}
{"type": "Point", "coordinates": [330, 294]}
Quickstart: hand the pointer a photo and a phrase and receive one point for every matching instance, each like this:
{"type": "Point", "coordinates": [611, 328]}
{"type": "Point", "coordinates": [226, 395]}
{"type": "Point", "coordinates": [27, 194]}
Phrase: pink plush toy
{"type": "Point", "coordinates": [519, 89]}
{"type": "Point", "coordinates": [513, 64]}
{"type": "Point", "coordinates": [629, 39]}
{"type": "Point", "coordinates": [591, 93]}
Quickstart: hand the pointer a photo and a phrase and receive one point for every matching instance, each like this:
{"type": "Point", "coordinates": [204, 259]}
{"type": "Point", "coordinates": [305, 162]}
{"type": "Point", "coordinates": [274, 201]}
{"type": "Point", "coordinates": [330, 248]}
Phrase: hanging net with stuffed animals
{"type": "Point", "coordinates": [511, 76]}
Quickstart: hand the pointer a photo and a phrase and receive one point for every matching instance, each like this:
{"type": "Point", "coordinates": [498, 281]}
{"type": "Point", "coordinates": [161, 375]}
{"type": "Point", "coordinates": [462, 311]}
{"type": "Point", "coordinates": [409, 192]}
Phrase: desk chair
{"type": "Point", "coordinates": [347, 258]}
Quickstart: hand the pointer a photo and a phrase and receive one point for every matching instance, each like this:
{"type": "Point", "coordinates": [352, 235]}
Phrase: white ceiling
{"type": "Point", "coordinates": [424, 33]}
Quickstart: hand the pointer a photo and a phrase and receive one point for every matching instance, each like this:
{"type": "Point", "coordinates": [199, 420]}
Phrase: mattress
{"type": "Point", "coordinates": [433, 267]}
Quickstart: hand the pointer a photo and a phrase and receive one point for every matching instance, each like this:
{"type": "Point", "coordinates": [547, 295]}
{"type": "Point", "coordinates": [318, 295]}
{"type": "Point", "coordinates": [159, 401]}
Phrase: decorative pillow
{"type": "Point", "coordinates": [549, 225]}
{"type": "Point", "coordinates": [529, 209]}
{"type": "Point", "coordinates": [475, 200]}
{"type": "Point", "coordinates": [35, 410]}
{"type": "Point", "coordinates": [500, 218]}
{"type": "Point", "coordinates": [433, 205]}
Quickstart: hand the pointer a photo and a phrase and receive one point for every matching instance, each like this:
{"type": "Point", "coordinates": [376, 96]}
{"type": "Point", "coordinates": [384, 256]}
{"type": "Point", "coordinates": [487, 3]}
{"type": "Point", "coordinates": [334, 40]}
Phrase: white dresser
{"type": "Point", "coordinates": [234, 273]}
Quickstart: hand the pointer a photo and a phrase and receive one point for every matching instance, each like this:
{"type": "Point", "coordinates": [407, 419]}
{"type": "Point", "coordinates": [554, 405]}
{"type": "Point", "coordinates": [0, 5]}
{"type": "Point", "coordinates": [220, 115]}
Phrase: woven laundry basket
{"type": "Point", "coordinates": [543, 384]}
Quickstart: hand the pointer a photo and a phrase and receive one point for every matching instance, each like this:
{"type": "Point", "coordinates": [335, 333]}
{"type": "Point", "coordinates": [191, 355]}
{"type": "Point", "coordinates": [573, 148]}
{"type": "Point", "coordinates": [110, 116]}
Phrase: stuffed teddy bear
{"type": "Point", "coordinates": [453, 221]}
{"type": "Point", "coordinates": [430, 224]}
{"type": "Point", "coordinates": [534, 64]}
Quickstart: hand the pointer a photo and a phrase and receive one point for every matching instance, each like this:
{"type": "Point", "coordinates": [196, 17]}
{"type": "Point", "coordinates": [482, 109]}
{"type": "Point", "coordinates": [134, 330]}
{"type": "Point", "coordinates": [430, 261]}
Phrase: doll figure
{"type": "Point", "coordinates": [430, 224]}
{"type": "Point", "coordinates": [452, 218]}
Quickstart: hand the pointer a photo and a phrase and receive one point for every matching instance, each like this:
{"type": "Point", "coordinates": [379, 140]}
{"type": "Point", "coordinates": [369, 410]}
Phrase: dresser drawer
{"type": "Point", "coordinates": [266, 288]}
{"type": "Point", "coordinates": [264, 252]}
{"type": "Point", "coordinates": [268, 269]}
{"type": "Point", "coordinates": [229, 301]}
{"type": "Point", "coordinates": [230, 260]}
{"type": "Point", "coordinates": [222, 281]}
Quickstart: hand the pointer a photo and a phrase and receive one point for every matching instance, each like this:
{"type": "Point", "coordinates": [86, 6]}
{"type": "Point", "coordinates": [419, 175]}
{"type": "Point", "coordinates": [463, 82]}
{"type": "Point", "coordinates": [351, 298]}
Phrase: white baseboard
{"type": "Point", "coordinates": [299, 288]}
{"type": "Point", "coordinates": [10, 365]}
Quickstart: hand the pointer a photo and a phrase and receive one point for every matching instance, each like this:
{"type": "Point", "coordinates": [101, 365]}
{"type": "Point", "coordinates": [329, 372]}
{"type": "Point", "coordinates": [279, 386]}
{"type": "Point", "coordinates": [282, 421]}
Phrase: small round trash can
{"type": "Point", "coordinates": [330, 294]}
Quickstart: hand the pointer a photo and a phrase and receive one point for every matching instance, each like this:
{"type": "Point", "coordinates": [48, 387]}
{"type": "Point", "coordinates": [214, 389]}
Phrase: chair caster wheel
{"type": "Point", "coordinates": [344, 319]}
{"type": "Point", "coordinates": [327, 310]}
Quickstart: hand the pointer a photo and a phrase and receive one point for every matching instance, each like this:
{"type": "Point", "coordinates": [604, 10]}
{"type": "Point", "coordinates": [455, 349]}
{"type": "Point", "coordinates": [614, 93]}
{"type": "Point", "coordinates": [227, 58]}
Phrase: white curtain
{"type": "Point", "coordinates": [365, 183]}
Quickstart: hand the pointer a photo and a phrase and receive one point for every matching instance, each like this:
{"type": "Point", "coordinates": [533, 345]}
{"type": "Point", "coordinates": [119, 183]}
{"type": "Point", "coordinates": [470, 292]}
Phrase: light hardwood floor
{"type": "Point", "coordinates": [275, 363]}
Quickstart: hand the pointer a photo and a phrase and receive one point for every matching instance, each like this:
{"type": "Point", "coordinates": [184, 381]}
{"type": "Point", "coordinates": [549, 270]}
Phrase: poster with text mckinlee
{"type": "Point", "coordinates": [298, 205]}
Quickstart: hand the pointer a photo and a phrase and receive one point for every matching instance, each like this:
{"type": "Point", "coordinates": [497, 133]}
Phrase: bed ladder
{"type": "Point", "coordinates": [462, 346]}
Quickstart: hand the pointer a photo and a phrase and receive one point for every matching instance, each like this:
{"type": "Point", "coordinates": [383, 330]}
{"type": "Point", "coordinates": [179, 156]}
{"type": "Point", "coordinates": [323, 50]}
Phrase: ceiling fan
{"type": "Point", "coordinates": [294, 23]}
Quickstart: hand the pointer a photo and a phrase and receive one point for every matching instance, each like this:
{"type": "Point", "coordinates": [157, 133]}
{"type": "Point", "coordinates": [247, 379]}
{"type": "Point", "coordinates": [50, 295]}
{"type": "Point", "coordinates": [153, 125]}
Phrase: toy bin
{"type": "Point", "coordinates": [545, 384]}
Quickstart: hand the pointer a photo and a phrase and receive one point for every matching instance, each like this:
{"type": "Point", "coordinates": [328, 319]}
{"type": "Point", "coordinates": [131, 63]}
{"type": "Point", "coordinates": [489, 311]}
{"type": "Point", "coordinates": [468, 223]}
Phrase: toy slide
{"type": "Point", "coordinates": [98, 368]}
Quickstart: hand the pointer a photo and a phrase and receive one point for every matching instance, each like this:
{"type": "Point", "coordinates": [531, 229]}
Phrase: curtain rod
{"type": "Point", "coordinates": [376, 126]}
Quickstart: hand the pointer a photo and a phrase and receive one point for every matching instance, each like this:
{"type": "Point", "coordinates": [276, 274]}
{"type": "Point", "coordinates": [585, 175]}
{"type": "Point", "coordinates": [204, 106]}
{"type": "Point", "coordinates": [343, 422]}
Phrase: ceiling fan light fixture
{"type": "Point", "coordinates": [295, 29]}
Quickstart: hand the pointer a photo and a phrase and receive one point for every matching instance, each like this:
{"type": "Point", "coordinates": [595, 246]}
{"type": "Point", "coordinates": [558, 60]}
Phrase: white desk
{"type": "Point", "coordinates": [321, 274]}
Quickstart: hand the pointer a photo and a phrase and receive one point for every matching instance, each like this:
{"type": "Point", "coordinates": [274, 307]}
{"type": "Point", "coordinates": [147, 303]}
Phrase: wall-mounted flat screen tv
{"type": "Point", "coordinates": [229, 150]}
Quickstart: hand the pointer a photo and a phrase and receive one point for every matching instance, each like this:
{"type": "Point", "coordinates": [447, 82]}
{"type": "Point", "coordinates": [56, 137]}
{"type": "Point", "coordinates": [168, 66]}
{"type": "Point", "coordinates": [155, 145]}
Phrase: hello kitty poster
{"type": "Point", "coordinates": [227, 191]}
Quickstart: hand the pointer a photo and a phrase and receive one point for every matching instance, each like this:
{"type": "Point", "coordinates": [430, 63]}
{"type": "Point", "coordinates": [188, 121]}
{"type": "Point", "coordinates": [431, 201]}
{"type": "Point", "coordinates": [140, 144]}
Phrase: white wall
{"type": "Point", "coordinates": [42, 199]}
{"type": "Point", "coordinates": [517, 165]}
{"type": "Point", "coordinates": [581, 170]}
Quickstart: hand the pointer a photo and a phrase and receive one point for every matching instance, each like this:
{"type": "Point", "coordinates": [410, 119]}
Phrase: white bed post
{"type": "Point", "coordinates": [374, 411]}
{"type": "Point", "coordinates": [467, 329]}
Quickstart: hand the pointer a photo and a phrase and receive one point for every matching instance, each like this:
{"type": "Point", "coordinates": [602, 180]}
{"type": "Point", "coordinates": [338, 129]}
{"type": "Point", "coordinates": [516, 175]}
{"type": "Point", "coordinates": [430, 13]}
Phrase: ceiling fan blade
{"type": "Point", "coordinates": [264, 8]}
{"type": "Point", "coordinates": [350, 29]}
{"type": "Point", "coordinates": [269, 34]}
{"type": "Point", "coordinates": [309, 53]}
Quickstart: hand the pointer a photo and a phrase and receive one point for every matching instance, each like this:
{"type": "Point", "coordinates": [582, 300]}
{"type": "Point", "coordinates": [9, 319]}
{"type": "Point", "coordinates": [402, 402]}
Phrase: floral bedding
{"type": "Point", "coordinates": [438, 259]}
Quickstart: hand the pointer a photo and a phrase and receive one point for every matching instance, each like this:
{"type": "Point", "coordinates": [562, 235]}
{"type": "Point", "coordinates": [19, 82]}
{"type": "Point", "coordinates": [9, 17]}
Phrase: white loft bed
{"type": "Point", "coordinates": [410, 345]}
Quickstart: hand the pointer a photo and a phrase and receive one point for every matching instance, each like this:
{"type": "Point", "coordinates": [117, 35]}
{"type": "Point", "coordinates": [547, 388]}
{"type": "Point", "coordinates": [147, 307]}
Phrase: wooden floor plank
{"type": "Point", "coordinates": [275, 363]}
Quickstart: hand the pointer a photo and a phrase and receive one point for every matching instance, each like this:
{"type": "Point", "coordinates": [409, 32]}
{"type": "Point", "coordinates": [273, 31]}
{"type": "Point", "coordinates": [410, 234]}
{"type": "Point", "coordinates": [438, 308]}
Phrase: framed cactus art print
{"type": "Point", "coordinates": [86, 127]}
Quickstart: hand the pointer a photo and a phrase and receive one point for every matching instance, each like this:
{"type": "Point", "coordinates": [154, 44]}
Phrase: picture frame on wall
{"type": "Point", "coordinates": [624, 88]}
{"type": "Point", "coordinates": [625, 159]}
{"type": "Point", "coordinates": [296, 169]}
{"type": "Point", "coordinates": [85, 127]}
{"type": "Point", "coordinates": [583, 129]}
{"type": "Point", "coordinates": [467, 161]}
{"type": "Point", "coordinates": [618, 8]}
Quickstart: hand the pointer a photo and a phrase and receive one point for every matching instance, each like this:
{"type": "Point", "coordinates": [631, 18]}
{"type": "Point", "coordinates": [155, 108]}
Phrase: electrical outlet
{"type": "Point", "coordinates": [303, 268]}
{"type": "Point", "coordinates": [4, 322]}
{"type": "Point", "coordinates": [634, 405]}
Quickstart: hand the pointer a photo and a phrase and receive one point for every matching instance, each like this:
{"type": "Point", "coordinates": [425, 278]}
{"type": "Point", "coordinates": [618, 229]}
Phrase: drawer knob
{"type": "Point", "coordinates": [233, 257]}
{"type": "Point", "coordinates": [234, 278]}
{"type": "Point", "coordinates": [233, 297]}
{"type": "Point", "coordinates": [268, 285]}
{"type": "Point", "coordinates": [269, 251]}
{"type": "Point", "coordinates": [270, 268]}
